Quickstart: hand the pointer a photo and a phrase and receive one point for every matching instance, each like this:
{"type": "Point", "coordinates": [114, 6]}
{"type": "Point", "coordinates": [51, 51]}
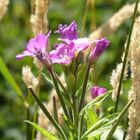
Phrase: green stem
{"type": "Point", "coordinates": [74, 111]}
{"type": "Point", "coordinates": [55, 110]}
{"type": "Point", "coordinates": [125, 127]}
{"type": "Point", "coordinates": [111, 132]}
{"type": "Point", "coordinates": [74, 100]}
{"type": "Point", "coordinates": [80, 126]}
{"type": "Point", "coordinates": [28, 117]}
{"type": "Point", "coordinates": [35, 105]}
{"type": "Point", "coordinates": [85, 17]}
{"type": "Point", "coordinates": [61, 85]}
{"type": "Point", "coordinates": [55, 124]}
{"type": "Point", "coordinates": [59, 93]}
{"type": "Point", "coordinates": [125, 56]}
{"type": "Point", "coordinates": [27, 125]}
{"type": "Point", "coordinates": [84, 88]}
{"type": "Point", "coordinates": [34, 120]}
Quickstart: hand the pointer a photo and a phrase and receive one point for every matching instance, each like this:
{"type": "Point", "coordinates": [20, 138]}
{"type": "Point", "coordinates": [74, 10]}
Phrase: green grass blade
{"type": "Point", "coordinates": [7, 75]}
{"type": "Point", "coordinates": [44, 132]}
{"type": "Point", "coordinates": [46, 112]}
{"type": "Point", "coordinates": [120, 116]}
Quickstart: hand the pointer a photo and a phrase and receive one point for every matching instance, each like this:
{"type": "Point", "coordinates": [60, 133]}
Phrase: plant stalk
{"type": "Point", "coordinates": [84, 88]}
{"type": "Point", "coordinates": [27, 125]}
{"type": "Point", "coordinates": [55, 124]}
{"type": "Point", "coordinates": [59, 93]}
{"type": "Point", "coordinates": [55, 110]}
{"type": "Point", "coordinates": [125, 56]}
{"type": "Point", "coordinates": [111, 132]}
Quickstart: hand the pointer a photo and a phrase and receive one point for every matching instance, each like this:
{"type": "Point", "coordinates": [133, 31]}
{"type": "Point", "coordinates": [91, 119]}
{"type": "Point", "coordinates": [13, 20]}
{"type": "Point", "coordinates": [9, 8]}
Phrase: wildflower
{"type": "Point", "coordinates": [36, 47]}
{"type": "Point", "coordinates": [101, 45]}
{"type": "Point", "coordinates": [97, 91]}
{"type": "Point", "coordinates": [63, 53]}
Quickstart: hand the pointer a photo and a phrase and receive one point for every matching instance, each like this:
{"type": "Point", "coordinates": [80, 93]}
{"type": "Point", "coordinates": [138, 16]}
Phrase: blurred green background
{"type": "Point", "coordinates": [15, 31]}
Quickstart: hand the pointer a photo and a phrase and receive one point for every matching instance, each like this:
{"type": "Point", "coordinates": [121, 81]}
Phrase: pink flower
{"type": "Point", "coordinates": [101, 45]}
{"type": "Point", "coordinates": [63, 53]}
{"type": "Point", "coordinates": [97, 91]}
{"type": "Point", "coordinates": [36, 47]}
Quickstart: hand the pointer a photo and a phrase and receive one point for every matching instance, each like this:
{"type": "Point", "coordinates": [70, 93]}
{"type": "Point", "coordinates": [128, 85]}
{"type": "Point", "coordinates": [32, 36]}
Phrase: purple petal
{"type": "Point", "coordinates": [32, 47]}
{"type": "Point", "coordinates": [63, 54]}
{"type": "Point", "coordinates": [25, 53]}
{"type": "Point", "coordinates": [81, 44]}
{"type": "Point", "coordinates": [68, 32]}
{"type": "Point", "coordinates": [42, 41]}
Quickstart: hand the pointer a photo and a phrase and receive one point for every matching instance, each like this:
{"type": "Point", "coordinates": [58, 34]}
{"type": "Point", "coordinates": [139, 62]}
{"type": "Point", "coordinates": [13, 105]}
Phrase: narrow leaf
{"type": "Point", "coordinates": [80, 76]}
{"type": "Point", "coordinates": [5, 72]}
{"type": "Point", "coordinates": [71, 82]}
{"type": "Point", "coordinates": [122, 113]}
{"type": "Point", "coordinates": [91, 118]}
{"type": "Point", "coordinates": [48, 80]}
{"type": "Point", "coordinates": [101, 126]}
{"type": "Point", "coordinates": [96, 101]}
{"type": "Point", "coordinates": [46, 112]}
{"type": "Point", "coordinates": [44, 132]}
{"type": "Point", "coordinates": [7, 75]}
{"type": "Point", "coordinates": [70, 125]}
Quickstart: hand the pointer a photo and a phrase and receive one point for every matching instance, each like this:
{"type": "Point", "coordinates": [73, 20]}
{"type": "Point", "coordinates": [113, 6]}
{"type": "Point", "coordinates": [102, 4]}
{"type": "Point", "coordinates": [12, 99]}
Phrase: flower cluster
{"type": "Point", "coordinates": [65, 51]}
{"type": "Point", "coordinates": [68, 52]}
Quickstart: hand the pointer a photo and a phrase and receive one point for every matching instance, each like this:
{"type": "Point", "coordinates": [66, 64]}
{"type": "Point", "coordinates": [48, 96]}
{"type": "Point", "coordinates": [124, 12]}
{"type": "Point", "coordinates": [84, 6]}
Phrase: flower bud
{"type": "Point", "coordinates": [97, 91]}
{"type": "Point", "coordinates": [101, 45]}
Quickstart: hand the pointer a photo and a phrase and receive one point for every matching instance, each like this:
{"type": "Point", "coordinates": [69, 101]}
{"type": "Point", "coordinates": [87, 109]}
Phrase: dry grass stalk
{"type": "Point", "coordinates": [28, 78]}
{"type": "Point", "coordinates": [39, 16]}
{"type": "Point", "coordinates": [116, 74]}
{"type": "Point", "coordinates": [114, 22]}
{"type": "Point", "coordinates": [3, 7]}
{"type": "Point", "coordinates": [39, 21]}
{"type": "Point", "coordinates": [134, 110]}
{"type": "Point", "coordinates": [114, 80]}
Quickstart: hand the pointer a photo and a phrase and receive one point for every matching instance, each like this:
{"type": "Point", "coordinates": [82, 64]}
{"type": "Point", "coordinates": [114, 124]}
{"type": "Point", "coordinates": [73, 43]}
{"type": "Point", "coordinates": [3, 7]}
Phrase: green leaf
{"type": "Point", "coordinates": [44, 132]}
{"type": "Point", "coordinates": [101, 126]}
{"type": "Point", "coordinates": [91, 118]}
{"type": "Point", "coordinates": [49, 81]}
{"type": "Point", "coordinates": [96, 101]}
{"type": "Point", "coordinates": [120, 116]}
{"type": "Point", "coordinates": [80, 76]}
{"type": "Point", "coordinates": [71, 82]}
{"type": "Point", "coordinates": [5, 72]}
{"type": "Point", "coordinates": [70, 125]}
{"type": "Point", "coordinates": [7, 75]}
{"type": "Point", "coordinates": [46, 112]}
